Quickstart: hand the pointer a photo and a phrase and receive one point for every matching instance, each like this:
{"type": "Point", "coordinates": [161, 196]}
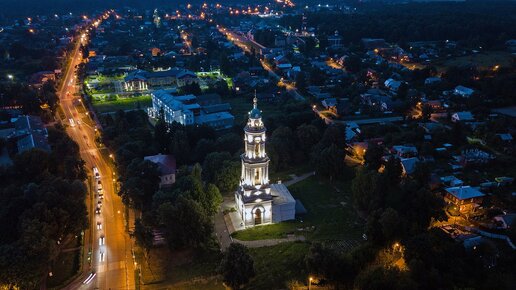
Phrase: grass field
{"type": "Point", "coordinates": [277, 265]}
{"type": "Point", "coordinates": [180, 270]}
{"type": "Point", "coordinates": [123, 104]}
{"type": "Point", "coordinates": [285, 175]}
{"type": "Point", "coordinates": [483, 60]}
{"type": "Point", "coordinates": [330, 214]}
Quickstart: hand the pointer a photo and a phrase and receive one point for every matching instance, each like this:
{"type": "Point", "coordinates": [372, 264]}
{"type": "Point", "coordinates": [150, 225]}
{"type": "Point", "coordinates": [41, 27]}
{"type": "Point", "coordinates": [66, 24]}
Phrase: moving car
{"type": "Point", "coordinates": [99, 186]}
{"type": "Point", "coordinates": [96, 173]}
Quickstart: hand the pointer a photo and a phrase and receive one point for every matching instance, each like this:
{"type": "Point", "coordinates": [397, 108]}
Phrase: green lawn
{"type": "Point", "coordinates": [285, 175]}
{"type": "Point", "coordinates": [330, 214]}
{"type": "Point", "coordinates": [277, 265]}
{"type": "Point", "coordinates": [180, 270]}
{"type": "Point", "coordinates": [122, 104]}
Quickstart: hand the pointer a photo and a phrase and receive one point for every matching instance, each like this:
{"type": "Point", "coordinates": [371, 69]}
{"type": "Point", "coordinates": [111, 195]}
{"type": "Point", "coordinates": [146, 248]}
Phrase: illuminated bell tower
{"type": "Point", "coordinates": [157, 18]}
{"type": "Point", "coordinates": [253, 196]}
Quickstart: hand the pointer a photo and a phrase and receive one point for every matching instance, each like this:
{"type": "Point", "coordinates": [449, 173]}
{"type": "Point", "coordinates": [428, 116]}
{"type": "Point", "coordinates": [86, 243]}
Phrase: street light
{"type": "Point", "coordinates": [310, 282]}
{"type": "Point", "coordinates": [9, 76]}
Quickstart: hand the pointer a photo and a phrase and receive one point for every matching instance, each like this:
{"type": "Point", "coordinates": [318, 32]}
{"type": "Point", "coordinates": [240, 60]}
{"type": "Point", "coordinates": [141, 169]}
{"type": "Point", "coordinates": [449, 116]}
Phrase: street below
{"type": "Point", "coordinates": [107, 244]}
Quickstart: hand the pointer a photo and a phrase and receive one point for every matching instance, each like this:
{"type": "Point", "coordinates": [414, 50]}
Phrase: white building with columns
{"type": "Point", "coordinates": [257, 201]}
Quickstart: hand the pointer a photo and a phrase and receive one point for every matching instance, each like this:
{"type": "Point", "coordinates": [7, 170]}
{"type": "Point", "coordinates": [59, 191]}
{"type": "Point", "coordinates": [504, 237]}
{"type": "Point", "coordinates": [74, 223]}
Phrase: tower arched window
{"type": "Point", "coordinates": [257, 176]}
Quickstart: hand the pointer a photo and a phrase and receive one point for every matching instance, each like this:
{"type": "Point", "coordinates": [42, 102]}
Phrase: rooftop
{"type": "Point", "coordinates": [166, 163]}
{"type": "Point", "coordinates": [464, 192]}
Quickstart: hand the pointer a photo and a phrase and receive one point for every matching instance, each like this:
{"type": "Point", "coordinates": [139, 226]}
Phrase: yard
{"type": "Point", "coordinates": [286, 175]}
{"type": "Point", "coordinates": [276, 266]}
{"type": "Point", "coordinates": [123, 104]}
{"type": "Point", "coordinates": [180, 270]}
{"type": "Point", "coordinates": [330, 214]}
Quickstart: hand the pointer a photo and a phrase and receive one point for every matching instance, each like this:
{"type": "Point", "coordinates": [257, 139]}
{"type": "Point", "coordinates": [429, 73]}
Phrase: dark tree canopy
{"type": "Point", "coordinates": [237, 266]}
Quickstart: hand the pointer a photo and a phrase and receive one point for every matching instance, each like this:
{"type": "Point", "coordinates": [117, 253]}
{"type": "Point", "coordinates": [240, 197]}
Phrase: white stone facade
{"type": "Point", "coordinates": [254, 197]}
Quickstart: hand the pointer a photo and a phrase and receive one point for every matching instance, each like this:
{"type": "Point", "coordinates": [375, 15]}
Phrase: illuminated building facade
{"type": "Point", "coordinates": [258, 201]}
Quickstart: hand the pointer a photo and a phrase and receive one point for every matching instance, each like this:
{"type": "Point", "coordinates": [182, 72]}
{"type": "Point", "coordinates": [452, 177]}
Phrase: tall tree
{"type": "Point", "coordinates": [330, 162]}
{"type": "Point", "coordinates": [307, 136]}
{"type": "Point", "coordinates": [185, 224]}
{"type": "Point", "coordinates": [237, 266]}
{"type": "Point", "coordinates": [139, 183]}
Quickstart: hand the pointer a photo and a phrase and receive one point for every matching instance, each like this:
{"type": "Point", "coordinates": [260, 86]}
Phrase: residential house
{"type": "Point", "coordinates": [30, 133]}
{"type": "Point", "coordinates": [432, 80]}
{"type": "Point", "coordinates": [465, 198]}
{"type": "Point", "coordinates": [282, 62]}
{"type": "Point", "coordinates": [293, 72]}
{"type": "Point", "coordinates": [392, 84]}
{"type": "Point", "coordinates": [167, 168]}
{"type": "Point", "coordinates": [330, 104]}
{"type": "Point", "coordinates": [408, 165]}
{"type": "Point", "coordinates": [463, 91]}
{"type": "Point", "coordinates": [462, 117]}
{"type": "Point", "coordinates": [451, 181]}
{"type": "Point", "coordinates": [506, 137]}
{"type": "Point", "coordinates": [352, 131]}
{"type": "Point", "coordinates": [505, 221]}
{"type": "Point", "coordinates": [404, 151]}
{"type": "Point", "coordinates": [475, 156]}
{"type": "Point", "coordinates": [436, 105]}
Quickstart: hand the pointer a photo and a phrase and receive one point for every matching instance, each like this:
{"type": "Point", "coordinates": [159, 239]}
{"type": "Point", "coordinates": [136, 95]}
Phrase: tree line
{"type": "Point", "coordinates": [478, 23]}
{"type": "Point", "coordinates": [42, 210]}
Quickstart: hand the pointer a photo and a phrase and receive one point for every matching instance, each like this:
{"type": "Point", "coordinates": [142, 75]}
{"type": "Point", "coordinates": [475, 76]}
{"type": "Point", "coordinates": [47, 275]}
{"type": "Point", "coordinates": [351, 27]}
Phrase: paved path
{"type": "Point", "coordinates": [221, 231]}
{"type": "Point", "coordinates": [269, 242]}
{"type": "Point", "coordinates": [299, 178]}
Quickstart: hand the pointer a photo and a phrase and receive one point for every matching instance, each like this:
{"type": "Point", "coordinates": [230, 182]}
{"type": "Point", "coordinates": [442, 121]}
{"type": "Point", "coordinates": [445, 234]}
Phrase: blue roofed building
{"type": "Point", "coordinates": [186, 111]}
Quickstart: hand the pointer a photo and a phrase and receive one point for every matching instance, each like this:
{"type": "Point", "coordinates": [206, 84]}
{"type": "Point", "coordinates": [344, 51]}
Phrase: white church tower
{"type": "Point", "coordinates": [253, 197]}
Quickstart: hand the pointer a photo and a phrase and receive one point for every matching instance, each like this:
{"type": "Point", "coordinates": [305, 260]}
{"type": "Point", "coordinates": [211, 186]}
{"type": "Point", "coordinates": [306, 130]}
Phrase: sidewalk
{"type": "Point", "coordinates": [269, 242]}
{"type": "Point", "coordinates": [221, 230]}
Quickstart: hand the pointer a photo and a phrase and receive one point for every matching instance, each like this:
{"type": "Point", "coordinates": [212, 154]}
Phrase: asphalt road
{"type": "Point", "coordinates": [112, 260]}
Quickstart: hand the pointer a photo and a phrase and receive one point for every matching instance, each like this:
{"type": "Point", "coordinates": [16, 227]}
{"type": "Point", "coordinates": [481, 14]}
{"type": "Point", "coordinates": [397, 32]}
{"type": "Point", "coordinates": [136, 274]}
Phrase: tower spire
{"type": "Point", "coordinates": [255, 100]}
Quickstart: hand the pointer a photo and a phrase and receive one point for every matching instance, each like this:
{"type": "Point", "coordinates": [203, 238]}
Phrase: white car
{"type": "Point", "coordinates": [72, 123]}
{"type": "Point", "coordinates": [96, 173]}
{"type": "Point", "coordinates": [99, 186]}
{"type": "Point", "coordinates": [101, 240]}
{"type": "Point", "coordinates": [99, 225]}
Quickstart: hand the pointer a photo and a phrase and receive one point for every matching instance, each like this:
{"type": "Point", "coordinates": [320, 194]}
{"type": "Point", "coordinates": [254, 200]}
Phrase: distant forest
{"type": "Point", "coordinates": [20, 8]}
{"type": "Point", "coordinates": [488, 23]}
